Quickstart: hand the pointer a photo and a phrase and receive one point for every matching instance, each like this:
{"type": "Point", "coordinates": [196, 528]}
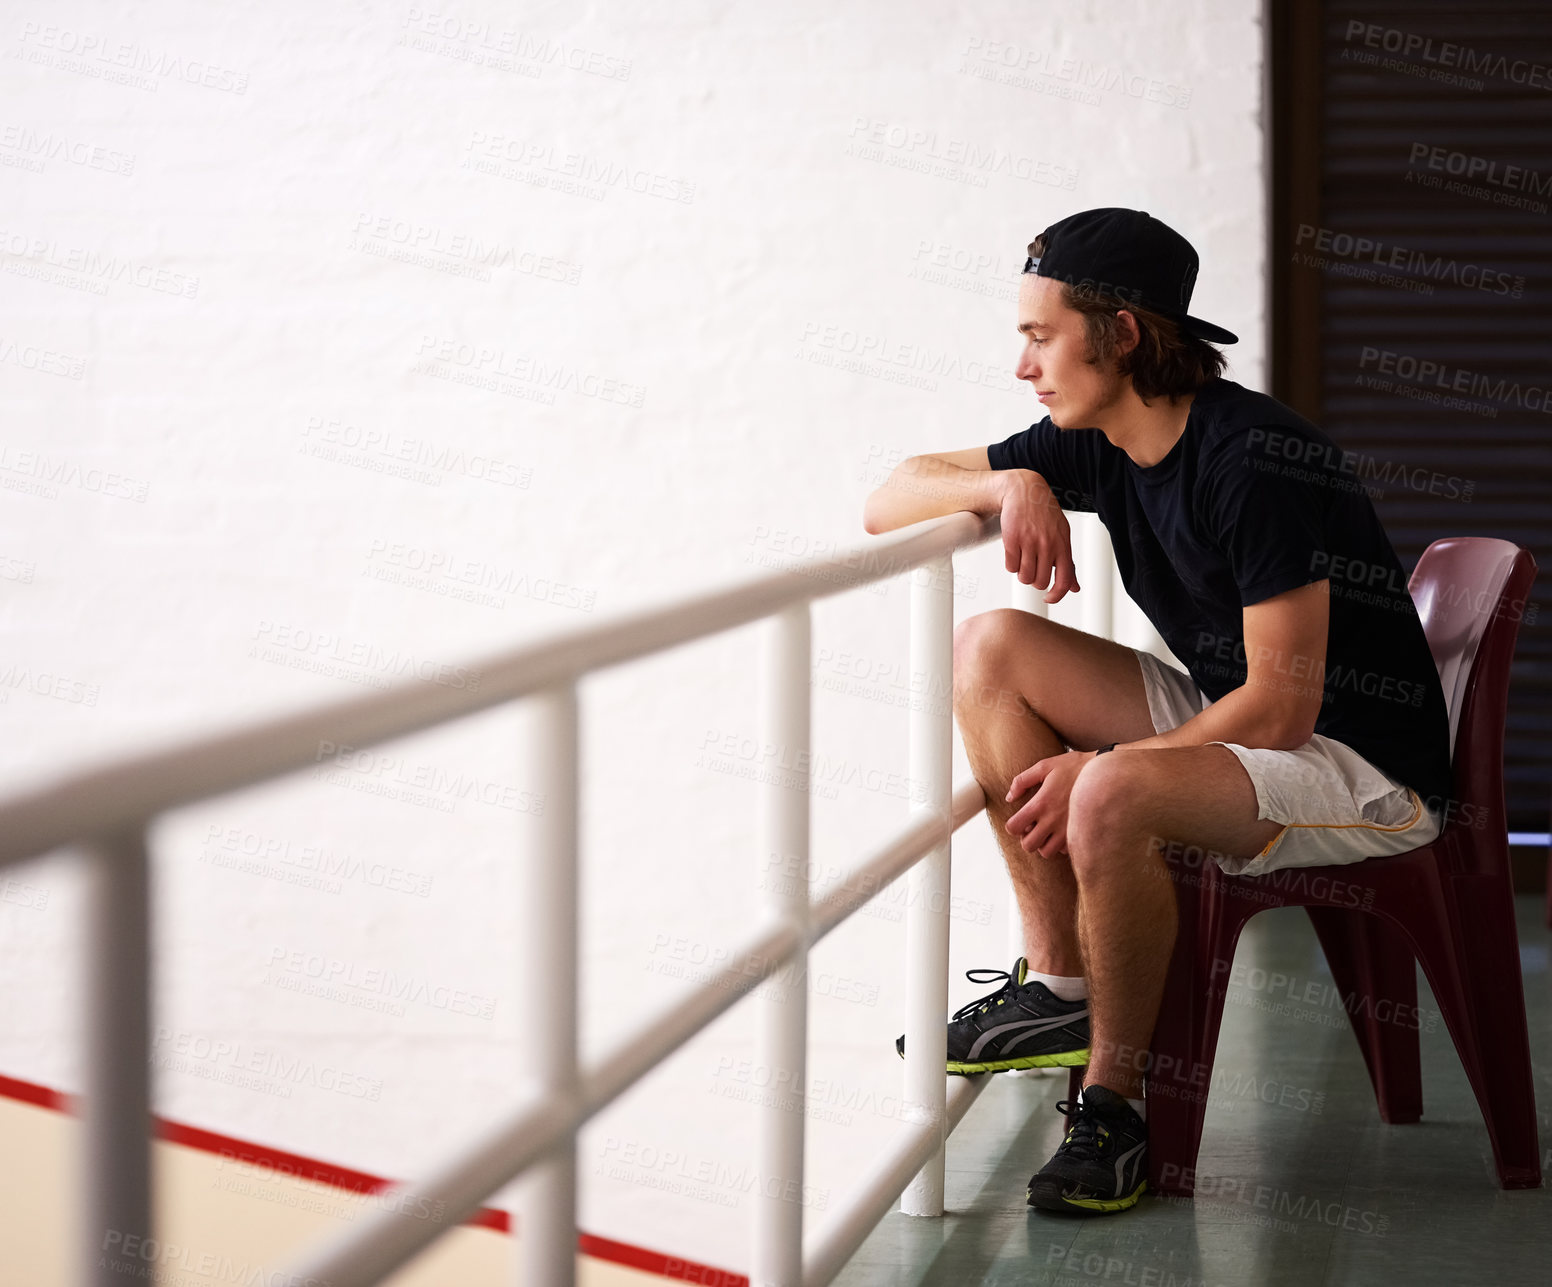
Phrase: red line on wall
{"type": "Point", "coordinates": [343, 1177]}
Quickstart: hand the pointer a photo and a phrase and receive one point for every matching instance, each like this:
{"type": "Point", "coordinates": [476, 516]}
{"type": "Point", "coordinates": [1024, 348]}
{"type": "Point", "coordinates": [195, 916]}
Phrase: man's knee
{"type": "Point", "coordinates": [985, 646]}
{"type": "Point", "coordinates": [983, 637]}
{"type": "Point", "coordinates": [1103, 801]}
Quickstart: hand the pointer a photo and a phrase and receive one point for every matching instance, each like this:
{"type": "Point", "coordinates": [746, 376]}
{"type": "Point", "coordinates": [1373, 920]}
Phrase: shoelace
{"type": "Point", "coordinates": [1008, 986]}
{"type": "Point", "coordinates": [1085, 1138]}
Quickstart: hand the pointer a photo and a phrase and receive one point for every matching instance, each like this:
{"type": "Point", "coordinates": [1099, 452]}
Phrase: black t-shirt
{"type": "Point", "coordinates": [1253, 500]}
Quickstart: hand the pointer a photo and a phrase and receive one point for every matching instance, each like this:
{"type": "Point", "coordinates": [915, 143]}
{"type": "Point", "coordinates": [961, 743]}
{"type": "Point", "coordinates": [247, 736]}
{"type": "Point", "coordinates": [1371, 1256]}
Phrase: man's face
{"type": "Point", "coordinates": [1073, 393]}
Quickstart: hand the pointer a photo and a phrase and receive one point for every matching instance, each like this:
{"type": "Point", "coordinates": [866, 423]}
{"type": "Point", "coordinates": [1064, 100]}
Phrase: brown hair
{"type": "Point", "coordinates": [1165, 360]}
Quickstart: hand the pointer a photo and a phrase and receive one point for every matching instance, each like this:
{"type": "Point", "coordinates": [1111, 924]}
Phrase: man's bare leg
{"type": "Point", "coordinates": [1026, 688]}
{"type": "Point", "coordinates": [1002, 738]}
{"type": "Point", "coordinates": [1121, 806]}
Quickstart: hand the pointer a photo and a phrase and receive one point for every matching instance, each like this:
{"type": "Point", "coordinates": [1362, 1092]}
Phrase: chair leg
{"type": "Point", "coordinates": [1474, 969]}
{"type": "Point", "coordinates": [1185, 1036]}
{"type": "Point", "coordinates": [1376, 975]}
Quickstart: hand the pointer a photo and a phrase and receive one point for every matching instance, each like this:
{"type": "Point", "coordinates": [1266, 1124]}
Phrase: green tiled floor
{"type": "Point", "coordinates": [1311, 1188]}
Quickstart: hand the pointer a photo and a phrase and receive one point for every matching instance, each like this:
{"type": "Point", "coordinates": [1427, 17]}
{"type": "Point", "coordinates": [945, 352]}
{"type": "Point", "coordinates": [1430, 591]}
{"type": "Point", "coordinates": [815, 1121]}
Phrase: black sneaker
{"type": "Point", "coordinates": [1102, 1164]}
{"type": "Point", "coordinates": [1021, 1025]}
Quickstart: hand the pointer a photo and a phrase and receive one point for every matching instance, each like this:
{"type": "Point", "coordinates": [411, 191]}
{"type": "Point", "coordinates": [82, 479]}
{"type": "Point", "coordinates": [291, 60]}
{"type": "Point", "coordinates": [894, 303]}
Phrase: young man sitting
{"type": "Point", "coordinates": [1311, 728]}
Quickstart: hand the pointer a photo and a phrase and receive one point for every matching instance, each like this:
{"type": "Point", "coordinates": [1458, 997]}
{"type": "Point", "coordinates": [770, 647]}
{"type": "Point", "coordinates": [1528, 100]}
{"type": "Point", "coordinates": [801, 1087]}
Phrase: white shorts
{"type": "Point", "coordinates": [1334, 805]}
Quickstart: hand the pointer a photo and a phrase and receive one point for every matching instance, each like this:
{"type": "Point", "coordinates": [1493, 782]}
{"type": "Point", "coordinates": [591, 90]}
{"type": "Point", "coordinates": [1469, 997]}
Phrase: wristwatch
{"type": "Point", "coordinates": [1103, 749]}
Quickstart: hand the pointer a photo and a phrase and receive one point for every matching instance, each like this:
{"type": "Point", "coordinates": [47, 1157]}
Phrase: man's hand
{"type": "Point", "coordinates": [1036, 539]}
{"type": "Point", "coordinates": [1042, 823]}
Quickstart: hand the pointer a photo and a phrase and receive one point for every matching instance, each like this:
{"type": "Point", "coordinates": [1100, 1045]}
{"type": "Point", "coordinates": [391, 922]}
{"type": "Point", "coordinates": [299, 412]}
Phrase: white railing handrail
{"type": "Point", "coordinates": [396, 1232]}
{"type": "Point", "coordinates": [125, 790]}
{"type": "Point", "coordinates": [106, 810]}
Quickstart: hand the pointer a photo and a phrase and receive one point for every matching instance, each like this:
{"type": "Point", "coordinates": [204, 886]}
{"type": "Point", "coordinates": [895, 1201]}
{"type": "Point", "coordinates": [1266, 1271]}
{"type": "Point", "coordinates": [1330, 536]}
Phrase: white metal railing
{"type": "Point", "coordinates": [106, 812]}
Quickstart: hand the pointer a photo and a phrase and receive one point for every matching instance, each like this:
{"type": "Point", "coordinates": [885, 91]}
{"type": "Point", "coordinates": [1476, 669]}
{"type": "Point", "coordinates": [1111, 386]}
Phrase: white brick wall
{"type": "Point", "coordinates": [298, 303]}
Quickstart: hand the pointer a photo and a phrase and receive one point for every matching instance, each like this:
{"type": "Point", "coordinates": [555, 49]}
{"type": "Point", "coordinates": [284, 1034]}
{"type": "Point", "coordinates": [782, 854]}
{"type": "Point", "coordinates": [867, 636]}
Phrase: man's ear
{"type": "Point", "coordinates": [1131, 333]}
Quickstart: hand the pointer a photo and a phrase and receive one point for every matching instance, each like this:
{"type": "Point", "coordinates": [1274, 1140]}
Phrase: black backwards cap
{"type": "Point", "coordinates": [1131, 255]}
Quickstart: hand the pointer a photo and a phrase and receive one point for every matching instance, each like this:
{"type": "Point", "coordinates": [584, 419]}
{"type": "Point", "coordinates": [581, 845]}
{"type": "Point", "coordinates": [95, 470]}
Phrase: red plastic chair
{"type": "Point", "coordinates": [1451, 903]}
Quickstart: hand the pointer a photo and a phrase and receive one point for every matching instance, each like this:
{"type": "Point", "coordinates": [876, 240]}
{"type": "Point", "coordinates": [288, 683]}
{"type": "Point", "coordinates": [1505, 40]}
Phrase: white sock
{"type": "Point", "coordinates": [1139, 1105]}
{"type": "Point", "coordinates": [1064, 986]}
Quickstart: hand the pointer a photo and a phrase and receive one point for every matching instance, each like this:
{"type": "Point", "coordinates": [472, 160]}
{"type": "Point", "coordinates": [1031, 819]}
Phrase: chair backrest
{"type": "Point", "coordinates": [1471, 592]}
{"type": "Point", "coordinates": [1457, 586]}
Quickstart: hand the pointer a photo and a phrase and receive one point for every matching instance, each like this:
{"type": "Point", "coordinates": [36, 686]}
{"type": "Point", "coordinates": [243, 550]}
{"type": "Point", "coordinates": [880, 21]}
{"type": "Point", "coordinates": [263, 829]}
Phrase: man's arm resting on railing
{"type": "Point", "coordinates": [1280, 700]}
{"type": "Point", "coordinates": [1036, 541]}
{"type": "Point", "coordinates": [923, 487]}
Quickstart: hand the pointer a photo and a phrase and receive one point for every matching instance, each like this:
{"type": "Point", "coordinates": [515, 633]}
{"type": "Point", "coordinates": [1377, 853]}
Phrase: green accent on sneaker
{"type": "Point", "coordinates": [1098, 1204]}
{"type": "Point", "coordinates": [1065, 1059]}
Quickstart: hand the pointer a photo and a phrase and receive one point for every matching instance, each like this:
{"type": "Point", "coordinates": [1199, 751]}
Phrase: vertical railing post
{"type": "Point", "coordinates": [118, 1059]}
{"type": "Point", "coordinates": [1091, 610]}
{"type": "Point", "coordinates": [547, 982]}
{"type": "Point", "coordinates": [1097, 599]}
{"type": "Point", "coordinates": [1029, 599]}
{"type": "Point", "coordinates": [1026, 598]}
{"type": "Point", "coordinates": [926, 935]}
{"type": "Point", "coordinates": [783, 1032]}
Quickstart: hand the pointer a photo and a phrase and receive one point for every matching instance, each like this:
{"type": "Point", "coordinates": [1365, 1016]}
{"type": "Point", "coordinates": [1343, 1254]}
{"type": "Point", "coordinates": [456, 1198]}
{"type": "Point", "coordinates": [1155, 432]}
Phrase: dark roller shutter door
{"type": "Point", "coordinates": [1412, 234]}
